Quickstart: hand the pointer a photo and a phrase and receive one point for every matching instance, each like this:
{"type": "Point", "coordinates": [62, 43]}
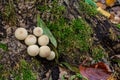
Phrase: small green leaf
{"type": "Point", "coordinates": [72, 77]}
{"type": "Point", "coordinates": [118, 26]}
{"type": "Point", "coordinates": [70, 67]}
{"type": "Point", "coordinates": [46, 30]}
{"type": "Point", "coordinates": [77, 75]}
{"type": "Point", "coordinates": [90, 2]}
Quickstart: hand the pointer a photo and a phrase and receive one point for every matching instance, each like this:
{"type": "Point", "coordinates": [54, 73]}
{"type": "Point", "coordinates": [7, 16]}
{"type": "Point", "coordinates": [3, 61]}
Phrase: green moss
{"type": "Point", "coordinates": [2, 72]}
{"type": "Point", "coordinates": [9, 13]}
{"type": "Point", "coordinates": [25, 73]}
{"type": "Point", "coordinates": [1, 67]}
{"type": "Point", "coordinates": [36, 63]}
{"type": "Point", "coordinates": [55, 9]}
{"type": "Point", "coordinates": [87, 9]}
{"type": "Point", "coordinates": [118, 26]}
{"type": "Point", "coordinates": [70, 35]}
{"type": "Point", "coordinates": [98, 53]}
{"type": "Point", "coordinates": [42, 8]}
{"type": "Point", "coordinates": [82, 32]}
{"type": "Point", "coordinates": [3, 46]}
{"type": "Point", "coordinates": [21, 72]}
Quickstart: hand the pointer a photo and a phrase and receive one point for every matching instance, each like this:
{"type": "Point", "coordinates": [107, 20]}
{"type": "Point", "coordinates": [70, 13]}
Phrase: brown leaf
{"type": "Point", "coordinates": [99, 71]}
{"type": "Point", "coordinates": [102, 66]}
{"type": "Point", "coordinates": [99, 4]}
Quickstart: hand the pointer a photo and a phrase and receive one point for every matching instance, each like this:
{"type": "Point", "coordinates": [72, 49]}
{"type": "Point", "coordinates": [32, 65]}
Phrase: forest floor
{"type": "Point", "coordinates": [75, 42]}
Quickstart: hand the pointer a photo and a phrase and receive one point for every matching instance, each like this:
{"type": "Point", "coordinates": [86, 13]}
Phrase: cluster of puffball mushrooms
{"type": "Point", "coordinates": [33, 49]}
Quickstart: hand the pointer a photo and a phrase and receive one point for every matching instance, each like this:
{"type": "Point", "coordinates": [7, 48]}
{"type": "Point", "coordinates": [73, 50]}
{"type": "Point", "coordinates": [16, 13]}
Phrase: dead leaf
{"type": "Point", "coordinates": [110, 2]}
{"type": "Point", "coordinates": [117, 19]}
{"type": "Point", "coordinates": [115, 56]}
{"type": "Point", "coordinates": [99, 4]}
{"type": "Point", "coordinates": [99, 71]}
{"type": "Point", "coordinates": [104, 12]}
{"type": "Point", "coordinates": [48, 74]}
{"type": "Point", "coordinates": [63, 72]}
{"type": "Point", "coordinates": [111, 78]}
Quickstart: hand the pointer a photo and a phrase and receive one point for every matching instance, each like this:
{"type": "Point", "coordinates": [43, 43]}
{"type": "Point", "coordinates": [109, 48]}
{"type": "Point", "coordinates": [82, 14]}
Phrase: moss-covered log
{"type": "Point", "coordinates": [105, 33]}
{"type": "Point", "coordinates": [79, 29]}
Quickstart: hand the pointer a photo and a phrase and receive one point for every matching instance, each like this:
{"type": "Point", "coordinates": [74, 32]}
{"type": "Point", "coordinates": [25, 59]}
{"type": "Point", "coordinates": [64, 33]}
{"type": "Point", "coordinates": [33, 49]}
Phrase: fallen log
{"type": "Point", "coordinates": [105, 32]}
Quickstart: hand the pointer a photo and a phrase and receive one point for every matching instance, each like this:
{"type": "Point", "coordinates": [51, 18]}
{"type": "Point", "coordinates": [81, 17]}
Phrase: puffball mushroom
{"type": "Point", "coordinates": [30, 40]}
{"type": "Point", "coordinates": [51, 56]}
{"type": "Point", "coordinates": [38, 31]}
{"type": "Point", "coordinates": [44, 51]}
{"type": "Point", "coordinates": [21, 33]}
{"type": "Point", "coordinates": [43, 40]}
{"type": "Point", "coordinates": [33, 50]}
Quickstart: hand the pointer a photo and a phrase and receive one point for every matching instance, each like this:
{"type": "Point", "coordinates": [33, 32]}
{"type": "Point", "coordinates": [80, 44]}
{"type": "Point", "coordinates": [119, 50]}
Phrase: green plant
{"type": "Point", "coordinates": [98, 53]}
{"type": "Point", "coordinates": [71, 35]}
{"type": "Point", "coordinates": [118, 26]}
{"type": "Point", "coordinates": [87, 9]}
{"type": "Point", "coordinates": [1, 71]}
{"type": "Point", "coordinates": [9, 12]}
{"type": "Point", "coordinates": [46, 30]}
{"type": "Point", "coordinates": [78, 76]}
{"type": "Point", "coordinates": [91, 2]}
{"type": "Point", "coordinates": [70, 67]}
{"type": "Point", "coordinates": [3, 46]}
{"type": "Point", "coordinates": [82, 33]}
{"type": "Point", "coordinates": [55, 9]}
{"type": "Point", "coordinates": [25, 73]}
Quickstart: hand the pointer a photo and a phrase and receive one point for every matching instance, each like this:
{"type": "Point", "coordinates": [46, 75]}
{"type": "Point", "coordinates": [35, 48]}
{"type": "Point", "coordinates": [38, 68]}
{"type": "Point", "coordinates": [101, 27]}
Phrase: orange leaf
{"type": "Point", "coordinates": [99, 71]}
{"type": "Point", "coordinates": [110, 2]}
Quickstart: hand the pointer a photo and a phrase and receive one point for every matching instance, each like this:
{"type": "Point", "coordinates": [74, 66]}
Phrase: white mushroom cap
{"type": "Point", "coordinates": [33, 50]}
{"type": "Point", "coordinates": [43, 40]}
{"type": "Point", "coordinates": [30, 40]}
{"type": "Point", "coordinates": [38, 31]}
{"type": "Point", "coordinates": [44, 51]}
{"type": "Point", "coordinates": [51, 56]}
{"type": "Point", "coordinates": [21, 33]}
